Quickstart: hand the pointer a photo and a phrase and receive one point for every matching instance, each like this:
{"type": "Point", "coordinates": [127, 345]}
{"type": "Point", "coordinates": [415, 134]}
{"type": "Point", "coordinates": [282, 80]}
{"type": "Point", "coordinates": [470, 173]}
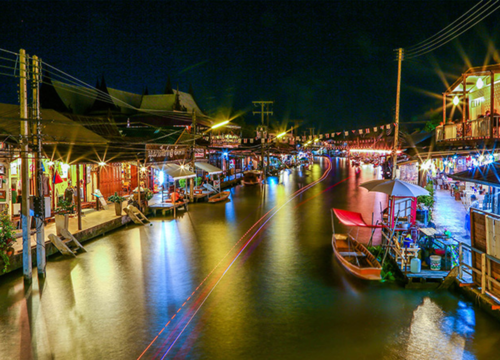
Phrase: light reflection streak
{"type": "Point", "coordinates": [297, 193]}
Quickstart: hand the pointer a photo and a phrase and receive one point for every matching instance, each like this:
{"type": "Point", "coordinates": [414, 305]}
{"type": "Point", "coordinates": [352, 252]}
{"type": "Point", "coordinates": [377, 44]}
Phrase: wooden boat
{"type": "Point", "coordinates": [251, 177]}
{"type": "Point", "coordinates": [219, 197]}
{"type": "Point", "coordinates": [351, 254]}
{"type": "Point", "coordinates": [355, 257]}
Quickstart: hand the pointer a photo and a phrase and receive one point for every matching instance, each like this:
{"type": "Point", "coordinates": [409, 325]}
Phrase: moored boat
{"type": "Point", "coordinates": [219, 197]}
{"type": "Point", "coordinates": [350, 253]}
{"type": "Point", "coordinates": [251, 177]}
{"type": "Point", "coordinates": [355, 257]}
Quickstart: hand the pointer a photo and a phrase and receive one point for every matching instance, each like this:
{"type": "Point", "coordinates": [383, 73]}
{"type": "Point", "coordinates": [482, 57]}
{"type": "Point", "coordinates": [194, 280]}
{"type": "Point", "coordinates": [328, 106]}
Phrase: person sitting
{"type": "Point", "coordinates": [175, 197]}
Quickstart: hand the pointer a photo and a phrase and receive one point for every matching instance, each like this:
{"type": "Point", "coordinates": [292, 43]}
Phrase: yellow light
{"type": "Point", "coordinates": [281, 135]}
{"type": "Point", "coordinates": [479, 83]}
{"type": "Point", "coordinates": [372, 151]}
{"type": "Point", "coordinates": [102, 163]}
{"type": "Point", "coordinates": [316, 139]}
{"type": "Point", "coordinates": [456, 100]}
{"type": "Point", "coordinates": [307, 143]}
{"type": "Point", "coordinates": [220, 124]}
{"type": "Point", "coordinates": [50, 163]}
{"type": "Point", "coordinates": [182, 167]}
{"type": "Point", "coordinates": [143, 169]}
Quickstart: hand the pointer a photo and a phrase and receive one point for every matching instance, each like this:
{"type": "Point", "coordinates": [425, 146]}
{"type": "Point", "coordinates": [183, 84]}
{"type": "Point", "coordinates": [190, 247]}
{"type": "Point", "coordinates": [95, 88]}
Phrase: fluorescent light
{"type": "Point", "coordinates": [220, 124]}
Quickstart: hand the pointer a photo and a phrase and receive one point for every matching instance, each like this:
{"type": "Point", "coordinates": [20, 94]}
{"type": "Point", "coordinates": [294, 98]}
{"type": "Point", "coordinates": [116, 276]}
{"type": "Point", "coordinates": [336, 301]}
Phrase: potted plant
{"type": "Point", "coordinates": [64, 208]}
{"type": "Point", "coordinates": [118, 201]}
{"type": "Point", "coordinates": [7, 239]}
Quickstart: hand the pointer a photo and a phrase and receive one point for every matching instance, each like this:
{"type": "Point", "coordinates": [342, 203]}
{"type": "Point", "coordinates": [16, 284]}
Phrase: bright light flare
{"type": "Point", "coordinates": [281, 135]}
{"type": "Point", "coordinates": [373, 151]}
{"type": "Point", "coordinates": [456, 100]}
{"type": "Point", "coordinates": [102, 163]}
{"type": "Point", "coordinates": [220, 124]}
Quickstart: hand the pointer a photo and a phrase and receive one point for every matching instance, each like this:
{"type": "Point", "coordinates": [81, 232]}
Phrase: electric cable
{"type": "Point", "coordinates": [424, 43]}
{"type": "Point", "coordinates": [434, 47]}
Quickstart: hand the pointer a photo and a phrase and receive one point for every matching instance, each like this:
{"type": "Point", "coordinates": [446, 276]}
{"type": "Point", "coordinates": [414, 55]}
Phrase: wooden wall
{"type": "Point", "coordinates": [111, 180]}
{"type": "Point", "coordinates": [485, 236]}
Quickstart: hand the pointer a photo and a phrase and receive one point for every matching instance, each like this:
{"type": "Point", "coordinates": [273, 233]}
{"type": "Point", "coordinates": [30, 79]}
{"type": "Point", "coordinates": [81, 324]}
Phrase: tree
{"type": "Point", "coordinates": [168, 87]}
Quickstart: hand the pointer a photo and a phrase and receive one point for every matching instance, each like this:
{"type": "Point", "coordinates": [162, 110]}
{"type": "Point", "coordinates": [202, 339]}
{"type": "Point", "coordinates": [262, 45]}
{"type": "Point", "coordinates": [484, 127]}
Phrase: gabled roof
{"type": "Point", "coordinates": [56, 127]}
{"type": "Point", "coordinates": [472, 75]}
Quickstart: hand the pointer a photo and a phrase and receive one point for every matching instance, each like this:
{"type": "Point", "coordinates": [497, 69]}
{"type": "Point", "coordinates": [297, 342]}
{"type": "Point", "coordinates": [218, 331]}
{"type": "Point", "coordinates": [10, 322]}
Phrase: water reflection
{"type": "Point", "coordinates": [284, 297]}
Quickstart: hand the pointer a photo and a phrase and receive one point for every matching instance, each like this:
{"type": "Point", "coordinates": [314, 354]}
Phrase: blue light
{"type": "Point", "coordinates": [161, 177]}
{"type": "Point", "coordinates": [225, 154]}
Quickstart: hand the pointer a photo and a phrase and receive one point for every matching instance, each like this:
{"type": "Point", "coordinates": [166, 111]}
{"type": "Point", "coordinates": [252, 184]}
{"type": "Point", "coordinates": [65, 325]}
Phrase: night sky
{"type": "Point", "coordinates": [329, 63]}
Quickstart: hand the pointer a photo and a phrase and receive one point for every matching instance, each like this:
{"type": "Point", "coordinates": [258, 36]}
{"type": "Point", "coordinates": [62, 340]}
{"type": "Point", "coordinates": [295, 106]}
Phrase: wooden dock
{"type": "Point", "coordinates": [167, 208]}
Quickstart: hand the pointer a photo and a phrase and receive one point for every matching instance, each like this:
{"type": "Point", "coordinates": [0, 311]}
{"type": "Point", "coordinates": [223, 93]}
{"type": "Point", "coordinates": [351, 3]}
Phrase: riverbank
{"type": "Point", "coordinates": [94, 224]}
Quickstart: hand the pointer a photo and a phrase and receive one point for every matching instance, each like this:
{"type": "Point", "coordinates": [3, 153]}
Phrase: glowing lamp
{"type": "Point", "coordinates": [143, 169]}
{"type": "Point", "coordinates": [102, 163]}
{"type": "Point", "coordinates": [281, 135]}
{"type": "Point", "coordinates": [316, 140]}
{"type": "Point", "coordinates": [182, 167]}
{"type": "Point", "coordinates": [50, 163]}
{"type": "Point", "coordinates": [456, 100]}
{"type": "Point", "coordinates": [479, 83]}
{"type": "Point", "coordinates": [220, 124]}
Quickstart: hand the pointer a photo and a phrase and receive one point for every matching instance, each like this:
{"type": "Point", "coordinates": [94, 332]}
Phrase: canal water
{"type": "Point", "coordinates": [252, 278]}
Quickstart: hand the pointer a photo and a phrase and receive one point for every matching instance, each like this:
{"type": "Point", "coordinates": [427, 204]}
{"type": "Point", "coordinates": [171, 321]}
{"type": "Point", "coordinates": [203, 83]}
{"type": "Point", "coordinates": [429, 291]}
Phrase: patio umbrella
{"type": "Point", "coordinates": [395, 188]}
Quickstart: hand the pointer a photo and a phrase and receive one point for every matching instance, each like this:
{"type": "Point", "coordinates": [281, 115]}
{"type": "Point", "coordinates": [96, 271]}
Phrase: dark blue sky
{"type": "Point", "coordinates": [330, 63]}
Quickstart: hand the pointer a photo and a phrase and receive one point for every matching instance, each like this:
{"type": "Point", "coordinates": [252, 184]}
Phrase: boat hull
{"type": "Point", "coordinates": [219, 197]}
{"type": "Point", "coordinates": [372, 269]}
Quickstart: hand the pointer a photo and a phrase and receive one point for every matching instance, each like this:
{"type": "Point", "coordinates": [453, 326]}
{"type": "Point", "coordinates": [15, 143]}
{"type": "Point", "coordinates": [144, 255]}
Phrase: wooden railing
{"type": "Point", "coordinates": [474, 130]}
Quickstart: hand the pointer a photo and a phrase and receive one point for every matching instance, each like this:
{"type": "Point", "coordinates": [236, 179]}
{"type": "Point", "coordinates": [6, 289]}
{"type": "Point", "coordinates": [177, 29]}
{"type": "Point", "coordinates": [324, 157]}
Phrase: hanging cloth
{"type": "Point", "coordinates": [57, 179]}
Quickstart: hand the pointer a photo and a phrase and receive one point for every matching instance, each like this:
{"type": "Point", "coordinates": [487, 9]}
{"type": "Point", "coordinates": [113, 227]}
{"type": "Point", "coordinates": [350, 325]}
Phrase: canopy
{"type": "Point", "coordinates": [350, 218]}
{"type": "Point", "coordinates": [207, 167]}
{"type": "Point", "coordinates": [487, 175]}
{"type": "Point", "coordinates": [177, 171]}
{"type": "Point", "coordinates": [395, 187]}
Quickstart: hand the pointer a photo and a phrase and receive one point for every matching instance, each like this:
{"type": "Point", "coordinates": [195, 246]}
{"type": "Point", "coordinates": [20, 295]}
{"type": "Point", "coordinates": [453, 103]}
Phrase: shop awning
{"type": "Point", "coordinates": [350, 218]}
{"type": "Point", "coordinates": [209, 168]}
{"type": "Point", "coordinates": [177, 171]}
{"type": "Point", "coordinates": [487, 175]}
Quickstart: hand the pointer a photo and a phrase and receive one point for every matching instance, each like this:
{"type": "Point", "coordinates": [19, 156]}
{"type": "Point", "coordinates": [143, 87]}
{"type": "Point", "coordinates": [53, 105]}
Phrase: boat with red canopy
{"type": "Point", "coordinates": [351, 254]}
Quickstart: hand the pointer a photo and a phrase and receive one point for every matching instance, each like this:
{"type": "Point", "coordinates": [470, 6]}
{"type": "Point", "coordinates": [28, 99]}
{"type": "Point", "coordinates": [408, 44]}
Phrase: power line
{"type": "Point", "coordinates": [441, 43]}
{"type": "Point", "coordinates": [423, 43]}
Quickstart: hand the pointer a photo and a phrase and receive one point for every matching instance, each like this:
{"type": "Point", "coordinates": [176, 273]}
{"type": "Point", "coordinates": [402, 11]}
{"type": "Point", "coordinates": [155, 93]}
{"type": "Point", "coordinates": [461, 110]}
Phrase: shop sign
{"type": "Point", "coordinates": [159, 153]}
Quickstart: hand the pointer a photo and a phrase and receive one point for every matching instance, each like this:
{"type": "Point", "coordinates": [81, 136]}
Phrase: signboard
{"type": "Point", "coordinates": [161, 153]}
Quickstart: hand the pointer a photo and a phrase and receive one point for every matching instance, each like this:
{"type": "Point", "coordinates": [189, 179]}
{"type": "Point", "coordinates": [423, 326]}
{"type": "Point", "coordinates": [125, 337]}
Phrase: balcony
{"type": "Point", "coordinates": [478, 129]}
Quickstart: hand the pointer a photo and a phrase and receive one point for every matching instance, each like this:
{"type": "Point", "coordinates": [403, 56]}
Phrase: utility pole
{"type": "Point", "coordinates": [263, 112]}
{"type": "Point", "coordinates": [37, 141]}
{"type": "Point", "coordinates": [25, 201]}
{"type": "Point", "coordinates": [193, 158]}
{"type": "Point", "coordinates": [396, 127]}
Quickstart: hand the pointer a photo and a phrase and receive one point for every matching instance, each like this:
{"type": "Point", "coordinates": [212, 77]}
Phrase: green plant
{"type": "Point", "coordinates": [182, 183]}
{"type": "Point", "coordinates": [7, 238]}
{"type": "Point", "coordinates": [427, 200]}
{"type": "Point", "coordinates": [64, 207]}
{"type": "Point", "coordinates": [149, 195]}
{"type": "Point", "coordinates": [198, 181]}
{"type": "Point", "coordinates": [388, 271]}
{"type": "Point", "coordinates": [116, 198]}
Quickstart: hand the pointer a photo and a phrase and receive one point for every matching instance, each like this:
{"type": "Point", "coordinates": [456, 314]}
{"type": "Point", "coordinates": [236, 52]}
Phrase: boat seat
{"type": "Point", "coordinates": [352, 253]}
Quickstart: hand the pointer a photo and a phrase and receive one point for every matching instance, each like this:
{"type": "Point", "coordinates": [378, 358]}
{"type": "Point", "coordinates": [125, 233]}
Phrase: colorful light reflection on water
{"type": "Point", "coordinates": [285, 297]}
